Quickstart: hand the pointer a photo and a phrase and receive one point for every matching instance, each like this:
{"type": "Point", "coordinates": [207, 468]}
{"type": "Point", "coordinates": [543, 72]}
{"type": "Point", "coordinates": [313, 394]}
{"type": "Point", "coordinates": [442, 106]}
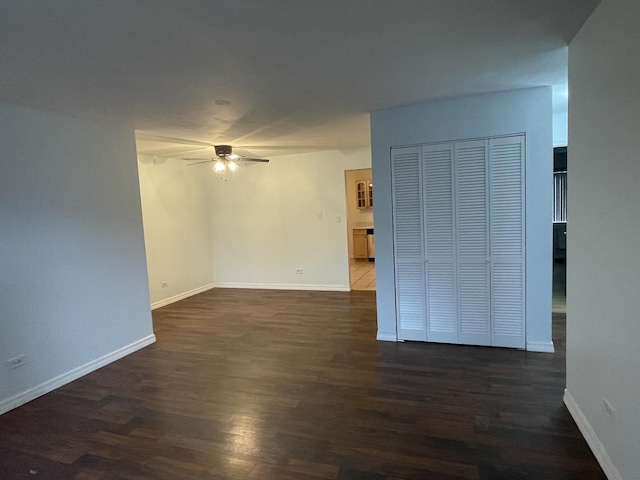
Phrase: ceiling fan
{"type": "Point", "coordinates": [225, 159]}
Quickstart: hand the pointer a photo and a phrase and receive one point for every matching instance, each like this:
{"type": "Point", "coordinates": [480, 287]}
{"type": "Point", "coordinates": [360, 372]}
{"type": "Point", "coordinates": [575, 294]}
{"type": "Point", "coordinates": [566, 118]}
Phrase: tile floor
{"type": "Point", "coordinates": [363, 274]}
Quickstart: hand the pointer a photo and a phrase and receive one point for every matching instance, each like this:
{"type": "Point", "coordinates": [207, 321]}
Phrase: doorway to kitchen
{"type": "Point", "coordinates": [360, 229]}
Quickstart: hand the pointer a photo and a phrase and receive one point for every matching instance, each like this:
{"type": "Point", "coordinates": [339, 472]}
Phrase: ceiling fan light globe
{"type": "Point", "coordinates": [233, 166]}
{"type": "Point", "coordinates": [219, 166]}
{"type": "Point", "coordinates": [233, 156]}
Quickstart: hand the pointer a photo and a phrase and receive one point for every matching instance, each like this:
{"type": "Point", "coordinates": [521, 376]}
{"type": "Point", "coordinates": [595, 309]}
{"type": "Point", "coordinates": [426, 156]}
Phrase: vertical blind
{"type": "Point", "coordinates": [559, 197]}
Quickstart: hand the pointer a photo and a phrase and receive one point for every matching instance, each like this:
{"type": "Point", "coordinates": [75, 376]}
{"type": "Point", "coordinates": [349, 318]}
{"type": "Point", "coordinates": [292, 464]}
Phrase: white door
{"type": "Point", "coordinates": [458, 212]}
{"type": "Point", "coordinates": [506, 160]}
{"type": "Point", "coordinates": [408, 244]}
{"type": "Point", "coordinates": [439, 221]}
{"type": "Point", "coordinates": [472, 242]}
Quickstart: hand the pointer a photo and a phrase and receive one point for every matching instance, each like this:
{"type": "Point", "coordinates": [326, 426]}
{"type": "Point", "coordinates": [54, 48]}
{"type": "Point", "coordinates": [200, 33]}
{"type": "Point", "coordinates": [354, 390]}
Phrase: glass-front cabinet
{"type": "Point", "coordinates": [364, 194]}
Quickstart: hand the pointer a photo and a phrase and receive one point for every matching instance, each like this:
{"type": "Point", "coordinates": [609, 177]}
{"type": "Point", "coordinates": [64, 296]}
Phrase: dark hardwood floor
{"type": "Point", "coordinates": [259, 384]}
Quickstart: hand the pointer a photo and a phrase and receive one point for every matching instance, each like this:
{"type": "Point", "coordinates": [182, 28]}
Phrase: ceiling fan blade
{"type": "Point", "coordinates": [284, 147]}
{"type": "Point", "coordinates": [161, 138]}
{"type": "Point", "coordinates": [247, 159]}
{"type": "Point", "coordinates": [204, 159]}
{"type": "Point", "coordinates": [197, 163]}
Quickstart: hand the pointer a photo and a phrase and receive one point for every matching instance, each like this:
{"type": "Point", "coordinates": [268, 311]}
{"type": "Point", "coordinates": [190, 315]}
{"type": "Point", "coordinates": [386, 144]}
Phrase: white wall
{"type": "Point", "coordinates": [560, 129]}
{"type": "Point", "coordinates": [175, 208]}
{"type": "Point", "coordinates": [265, 222]}
{"type": "Point", "coordinates": [517, 111]}
{"type": "Point", "coordinates": [356, 217]}
{"type": "Point", "coordinates": [73, 282]}
{"type": "Point", "coordinates": [603, 305]}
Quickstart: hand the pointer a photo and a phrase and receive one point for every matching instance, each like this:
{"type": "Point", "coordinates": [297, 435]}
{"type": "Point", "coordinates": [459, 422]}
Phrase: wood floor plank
{"type": "Point", "coordinates": [268, 384]}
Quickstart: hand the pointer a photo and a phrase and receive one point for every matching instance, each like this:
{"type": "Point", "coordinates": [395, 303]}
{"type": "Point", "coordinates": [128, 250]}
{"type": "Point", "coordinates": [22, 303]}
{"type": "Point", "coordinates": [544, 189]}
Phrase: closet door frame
{"type": "Point", "coordinates": [412, 299]}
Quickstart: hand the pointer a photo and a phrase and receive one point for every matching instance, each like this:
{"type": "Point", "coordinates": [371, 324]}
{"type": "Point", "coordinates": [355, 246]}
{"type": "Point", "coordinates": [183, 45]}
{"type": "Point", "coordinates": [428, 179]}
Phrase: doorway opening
{"type": "Point", "coordinates": [559, 229]}
{"type": "Point", "coordinates": [360, 229]}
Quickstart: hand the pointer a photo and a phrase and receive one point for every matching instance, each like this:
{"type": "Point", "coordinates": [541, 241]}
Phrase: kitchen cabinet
{"type": "Point", "coordinates": [364, 194]}
{"type": "Point", "coordinates": [360, 248]}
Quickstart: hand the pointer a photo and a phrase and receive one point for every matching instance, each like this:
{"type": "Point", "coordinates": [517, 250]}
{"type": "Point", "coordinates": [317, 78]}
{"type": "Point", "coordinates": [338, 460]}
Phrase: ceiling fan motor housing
{"type": "Point", "coordinates": [223, 150]}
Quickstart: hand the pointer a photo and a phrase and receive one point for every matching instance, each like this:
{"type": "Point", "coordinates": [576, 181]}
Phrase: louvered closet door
{"type": "Point", "coordinates": [472, 242]}
{"type": "Point", "coordinates": [437, 181]}
{"type": "Point", "coordinates": [506, 160]}
{"type": "Point", "coordinates": [408, 244]}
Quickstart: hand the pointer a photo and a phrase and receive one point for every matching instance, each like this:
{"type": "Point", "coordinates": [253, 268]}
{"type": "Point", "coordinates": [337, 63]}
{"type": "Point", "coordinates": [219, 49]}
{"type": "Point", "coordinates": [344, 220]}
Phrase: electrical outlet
{"type": "Point", "coordinates": [298, 271]}
{"type": "Point", "coordinates": [17, 362]}
{"type": "Point", "coordinates": [164, 284]}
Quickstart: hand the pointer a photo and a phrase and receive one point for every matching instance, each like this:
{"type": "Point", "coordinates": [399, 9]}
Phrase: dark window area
{"type": "Point", "coordinates": [560, 185]}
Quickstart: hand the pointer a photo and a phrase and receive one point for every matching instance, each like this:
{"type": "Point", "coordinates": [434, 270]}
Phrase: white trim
{"type": "Point", "coordinates": [71, 375]}
{"type": "Point", "coordinates": [387, 336]}
{"type": "Point", "coordinates": [592, 439]}
{"type": "Point", "coordinates": [181, 296]}
{"type": "Point", "coordinates": [544, 347]}
{"type": "Point", "coordinates": [285, 286]}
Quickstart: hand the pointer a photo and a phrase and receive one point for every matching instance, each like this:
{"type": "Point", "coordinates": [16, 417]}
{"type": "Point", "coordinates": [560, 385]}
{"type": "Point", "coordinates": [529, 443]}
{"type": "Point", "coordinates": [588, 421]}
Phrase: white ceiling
{"type": "Point", "coordinates": [299, 75]}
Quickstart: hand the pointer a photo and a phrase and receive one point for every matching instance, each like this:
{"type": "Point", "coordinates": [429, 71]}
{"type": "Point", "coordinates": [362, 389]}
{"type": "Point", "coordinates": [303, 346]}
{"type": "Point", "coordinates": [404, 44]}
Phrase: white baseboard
{"type": "Point", "coordinates": [71, 375]}
{"type": "Point", "coordinates": [285, 286]}
{"type": "Point", "coordinates": [592, 439]}
{"type": "Point", "coordinates": [387, 336]}
{"type": "Point", "coordinates": [544, 347]}
{"type": "Point", "coordinates": [181, 296]}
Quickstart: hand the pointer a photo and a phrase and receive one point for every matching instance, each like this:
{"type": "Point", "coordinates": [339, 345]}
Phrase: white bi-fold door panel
{"type": "Point", "coordinates": [438, 223]}
{"type": "Point", "coordinates": [506, 207]}
{"type": "Point", "coordinates": [408, 244]}
{"type": "Point", "coordinates": [472, 227]}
